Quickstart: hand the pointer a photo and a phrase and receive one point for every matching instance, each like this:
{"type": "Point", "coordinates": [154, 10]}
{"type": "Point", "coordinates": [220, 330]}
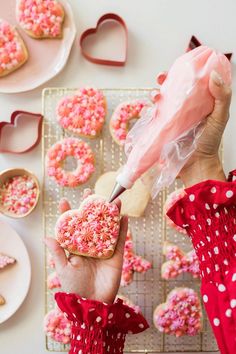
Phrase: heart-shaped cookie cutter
{"type": "Point", "coordinates": [90, 31]}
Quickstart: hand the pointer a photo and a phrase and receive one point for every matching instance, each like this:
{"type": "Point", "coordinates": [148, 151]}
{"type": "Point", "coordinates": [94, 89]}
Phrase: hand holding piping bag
{"type": "Point", "coordinates": [169, 132]}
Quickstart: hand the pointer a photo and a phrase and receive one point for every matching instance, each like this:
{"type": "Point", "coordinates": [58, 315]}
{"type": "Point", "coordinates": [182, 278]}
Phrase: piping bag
{"type": "Point", "coordinates": [166, 135]}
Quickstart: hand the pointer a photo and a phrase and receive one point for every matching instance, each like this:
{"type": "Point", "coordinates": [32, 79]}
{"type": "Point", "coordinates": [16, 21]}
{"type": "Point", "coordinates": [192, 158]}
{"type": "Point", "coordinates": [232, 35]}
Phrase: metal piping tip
{"type": "Point", "coordinates": [117, 191]}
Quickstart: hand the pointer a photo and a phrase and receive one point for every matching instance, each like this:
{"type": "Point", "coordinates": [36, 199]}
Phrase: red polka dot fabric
{"type": "Point", "coordinates": [208, 213]}
{"type": "Point", "coordinates": [98, 327]}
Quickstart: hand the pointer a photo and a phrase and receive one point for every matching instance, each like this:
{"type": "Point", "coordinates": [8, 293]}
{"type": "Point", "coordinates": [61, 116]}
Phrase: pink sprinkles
{"type": "Point", "coordinates": [57, 326]}
{"type": "Point", "coordinates": [179, 262]}
{"type": "Point", "coordinates": [84, 113]}
{"type": "Point", "coordinates": [43, 18]}
{"type": "Point", "coordinates": [12, 52]}
{"type": "Point", "coordinates": [92, 231]}
{"type": "Point", "coordinates": [121, 117]}
{"type": "Point", "coordinates": [181, 314]}
{"type": "Point", "coordinates": [18, 195]}
{"type": "Point", "coordinates": [132, 262]}
{"type": "Point", "coordinates": [6, 260]}
{"type": "Point", "coordinates": [76, 148]}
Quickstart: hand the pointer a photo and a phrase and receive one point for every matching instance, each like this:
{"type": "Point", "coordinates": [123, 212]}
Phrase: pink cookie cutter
{"type": "Point", "coordinates": [22, 133]}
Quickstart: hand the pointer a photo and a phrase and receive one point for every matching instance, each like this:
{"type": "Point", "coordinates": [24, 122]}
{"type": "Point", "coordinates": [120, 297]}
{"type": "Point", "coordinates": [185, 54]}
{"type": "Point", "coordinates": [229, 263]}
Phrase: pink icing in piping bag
{"type": "Point", "coordinates": [159, 137]}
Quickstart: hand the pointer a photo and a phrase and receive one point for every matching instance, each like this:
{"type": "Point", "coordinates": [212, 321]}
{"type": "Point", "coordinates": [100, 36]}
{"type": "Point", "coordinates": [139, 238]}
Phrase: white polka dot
{"type": "Point", "coordinates": [217, 215]}
{"type": "Point", "coordinates": [193, 217]}
{"type": "Point", "coordinates": [90, 310]}
{"type": "Point", "coordinates": [209, 221]}
{"type": "Point", "coordinates": [226, 228]}
{"type": "Point", "coordinates": [226, 262]}
{"type": "Point", "coordinates": [65, 314]}
{"type": "Point", "coordinates": [208, 270]}
{"type": "Point", "coordinates": [217, 233]}
{"type": "Point", "coordinates": [191, 197]}
{"type": "Point", "coordinates": [98, 319]}
{"type": "Point", "coordinates": [213, 190]}
{"type": "Point", "coordinates": [110, 315]}
{"type": "Point", "coordinates": [91, 328]}
{"type": "Point", "coordinates": [221, 288]}
{"type": "Point", "coordinates": [216, 322]}
{"type": "Point", "coordinates": [199, 227]}
{"type": "Point", "coordinates": [228, 313]}
{"type": "Point", "coordinates": [226, 244]}
{"type": "Point", "coordinates": [78, 337]}
{"type": "Point", "coordinates": [229, 194]}
{"type": "Point", "coordinates": [208, 238]}
{"type": "Point", "coordinates": [226, 211]}
{"type": "Point", "coordinates": [141, 325]}
{"type": "Point", "coordinates": [234, 238]}
{"type": "Point", "coordinates": [217, 267]}
{"type": "Point", "coordinates": [83, 326]}
{"type": "Point", "coordinates": [205, 298]}
{"type": "Point", "coordinates": [233, 303]}
{"type": "Point", "coordinates": [80, 352]}
{"type": "Point", "coordinates": [215, 206]}
{"type": "Point", "coordinates": [127, 315]}
{"type": "Point", "coordinates": [207, 206]}
{"type": "Point", "coordinates": [203, 258]}
{"type": "Point", "coordinates": [216, 250]}
{"type": "Point", "coordinates": [210, 255]}
{"type": "Point", "coordinates": [234, 277]}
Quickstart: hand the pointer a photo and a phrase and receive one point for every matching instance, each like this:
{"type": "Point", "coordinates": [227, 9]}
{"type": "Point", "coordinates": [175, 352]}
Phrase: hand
{"type": "Point", "coordinates": [204, 163]}
{"type": "Point", "coordinates": [96, 279]}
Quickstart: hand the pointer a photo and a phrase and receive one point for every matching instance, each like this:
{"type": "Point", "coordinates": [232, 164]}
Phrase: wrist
{"type": "Point", "coordinates": [203, 169]}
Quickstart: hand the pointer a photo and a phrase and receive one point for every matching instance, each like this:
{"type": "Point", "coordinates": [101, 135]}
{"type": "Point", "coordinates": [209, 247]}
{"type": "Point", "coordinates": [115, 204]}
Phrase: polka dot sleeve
{"type": "Point", "coordinates": [98, 327]}
{"type": "Point", "coordinates": [208, 213]}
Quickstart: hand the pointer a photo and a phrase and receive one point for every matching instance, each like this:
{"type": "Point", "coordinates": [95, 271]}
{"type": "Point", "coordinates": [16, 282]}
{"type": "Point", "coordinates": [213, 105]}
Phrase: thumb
{"type": "Point", "coordinates": [222, 95]}
{"type": "Point", "coordinates": [122, 237]}
{"type": "Point", "coordinates": [57, 251]}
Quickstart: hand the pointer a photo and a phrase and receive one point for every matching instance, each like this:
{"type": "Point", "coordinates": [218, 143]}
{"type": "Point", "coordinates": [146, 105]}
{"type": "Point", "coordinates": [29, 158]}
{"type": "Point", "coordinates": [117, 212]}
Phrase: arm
{"type": "Point", "coordinates": [98, 324]}
{"type": "Point", "coordinates": [208, 213]}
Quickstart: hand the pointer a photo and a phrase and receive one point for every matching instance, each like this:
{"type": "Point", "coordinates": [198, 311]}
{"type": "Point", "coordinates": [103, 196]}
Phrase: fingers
{"type": "Point", "coordinates": [222, 94]}
{"type": "Point", "coordinates": [122, 237]}
{"type": "Point", "coordinates": [57, 251]}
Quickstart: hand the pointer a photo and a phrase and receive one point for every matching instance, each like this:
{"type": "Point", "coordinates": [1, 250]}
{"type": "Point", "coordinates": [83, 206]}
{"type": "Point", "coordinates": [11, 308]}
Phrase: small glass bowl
{"type": "Point", "coordinates": [7, 174]}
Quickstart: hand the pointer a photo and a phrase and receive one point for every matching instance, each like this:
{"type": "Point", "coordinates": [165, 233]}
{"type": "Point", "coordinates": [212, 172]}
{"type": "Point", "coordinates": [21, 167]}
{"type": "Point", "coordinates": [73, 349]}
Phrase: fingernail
{"type": "Point", "coordinates": [217, 78]}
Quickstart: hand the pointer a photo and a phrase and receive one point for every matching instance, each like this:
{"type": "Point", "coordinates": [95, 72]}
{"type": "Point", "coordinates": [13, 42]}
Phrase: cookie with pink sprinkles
{"type": "Point", "coordinates": [83, 113]}
{"type": "Point", "coordinates": [92, 230]}
{"type": "Point", "coordinates": [180, 315]}
{"type": "Point", "coordinates": [13, 52]}
{"type": "Point", "coordinates": [170, 201]}
{"type": "Point", "coordinates": [122, 117]}
{"type": "Point", "coordinates": [70, 147]}
{"type": "Point", "coordinates": [40, 18]}
{"type": "Point", "coordinates": [57, 326]}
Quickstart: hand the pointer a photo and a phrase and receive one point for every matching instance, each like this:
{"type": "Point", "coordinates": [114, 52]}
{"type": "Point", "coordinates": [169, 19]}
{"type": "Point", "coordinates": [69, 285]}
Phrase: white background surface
{"type": "Point", "coordinates": [159, 30]}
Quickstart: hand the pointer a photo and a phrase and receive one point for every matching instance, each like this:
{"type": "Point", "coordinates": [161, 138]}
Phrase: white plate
{"type": "Point", "coordinates": [14, 279]}
{"type": "Point", "coordinates": [47, 57]}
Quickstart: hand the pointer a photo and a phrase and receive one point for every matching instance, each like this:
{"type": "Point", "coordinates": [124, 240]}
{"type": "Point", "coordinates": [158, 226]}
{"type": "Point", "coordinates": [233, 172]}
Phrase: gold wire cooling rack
{"type": "Point", "coordinates": [149, 232]}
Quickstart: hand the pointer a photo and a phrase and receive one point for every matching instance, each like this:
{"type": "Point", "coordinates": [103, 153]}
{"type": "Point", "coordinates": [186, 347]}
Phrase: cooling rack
{"type": "Point", "coordinates": [149, 232]}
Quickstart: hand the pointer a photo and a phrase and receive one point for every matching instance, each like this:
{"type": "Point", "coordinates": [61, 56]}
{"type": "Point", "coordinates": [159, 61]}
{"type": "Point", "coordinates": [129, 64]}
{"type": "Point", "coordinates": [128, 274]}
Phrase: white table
{"type": "Point", "coordinates": [159, 30]}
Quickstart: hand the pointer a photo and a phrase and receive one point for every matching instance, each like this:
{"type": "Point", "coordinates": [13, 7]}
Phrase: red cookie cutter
{"type": "Point", "coordinates": [22, 133]}
{"type": "Point", "coordinates": [194, 43]}
{"type": "Point", "coordinates": [90, 31]}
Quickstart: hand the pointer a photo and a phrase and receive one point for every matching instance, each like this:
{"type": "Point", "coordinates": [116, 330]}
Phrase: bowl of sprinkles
{"type": "Point", "coordinates": [19, 192]}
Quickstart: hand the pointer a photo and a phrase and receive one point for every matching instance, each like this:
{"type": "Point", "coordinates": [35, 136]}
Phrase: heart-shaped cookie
{"type": "Point", "coordinates": [92, 230]}
{"type": "Point", "coordinates": [41, 18]}
{"type": "Point", "coordinates": [83, 113]}
{"type": "Point", "coordinates": [22, 133]}
{"type": "Point", "coordinates": [133, 201]}
{"type": "Point", "coordinates": [13, 52]}
{"type": "Point", "coordinates": [180, 315]}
